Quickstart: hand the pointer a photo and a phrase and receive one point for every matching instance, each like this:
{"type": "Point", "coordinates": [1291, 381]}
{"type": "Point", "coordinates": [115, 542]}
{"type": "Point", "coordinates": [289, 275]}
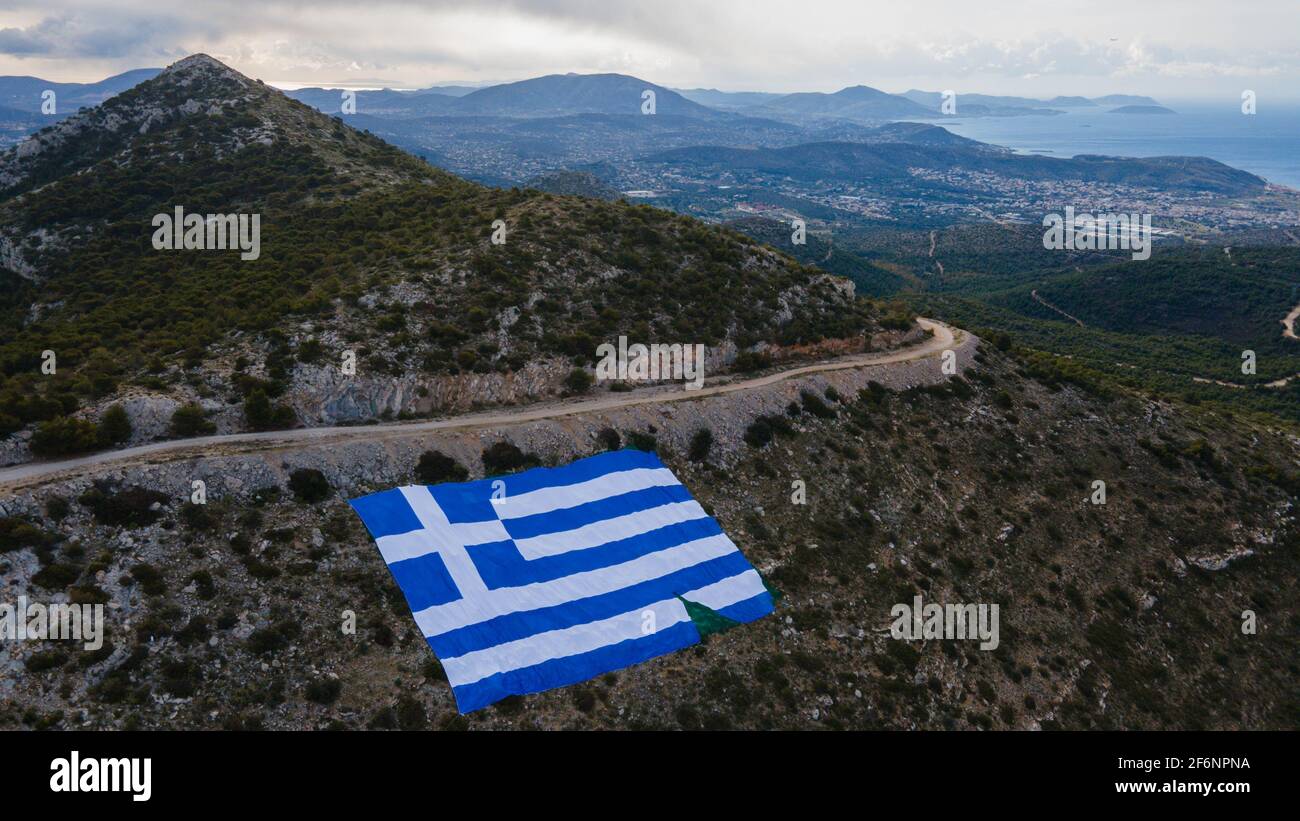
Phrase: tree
{"type": "Point", "coordinates": [701, 443]}
{"type": "Point", "coordinates": [65, 435]}
{"type": "Point", "coordinates": [435, 466]}
{"type": "Point", "coordinates": [191, 420]}
{"type": "Point", "coordinates": [578, 381]}
{"type": "Point", "coordinates": [309, 485]}
{"type": "Point", "coordinates": [262, 415]}
{"type": "Point", "coordinates": [504, 457]}
{"type": "Point", "coordinates": [115, 426]}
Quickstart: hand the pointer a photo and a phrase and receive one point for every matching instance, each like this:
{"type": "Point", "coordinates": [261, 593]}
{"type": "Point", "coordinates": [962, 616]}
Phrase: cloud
{"type": "Point", "coordinates": [1007, 45]}
{"type": "Point", "coordinates": [77, 36]}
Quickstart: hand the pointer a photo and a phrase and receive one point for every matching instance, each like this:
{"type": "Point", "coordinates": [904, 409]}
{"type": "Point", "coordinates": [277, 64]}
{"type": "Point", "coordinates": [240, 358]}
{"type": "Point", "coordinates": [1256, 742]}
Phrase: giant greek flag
{"type": "Point", "coordinates": [552, 576]}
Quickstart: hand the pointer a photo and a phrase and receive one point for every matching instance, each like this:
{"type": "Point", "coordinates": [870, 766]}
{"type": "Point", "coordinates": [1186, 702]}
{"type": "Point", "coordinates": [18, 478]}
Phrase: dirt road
{"type": "Point", "coordinates": [943, 338]}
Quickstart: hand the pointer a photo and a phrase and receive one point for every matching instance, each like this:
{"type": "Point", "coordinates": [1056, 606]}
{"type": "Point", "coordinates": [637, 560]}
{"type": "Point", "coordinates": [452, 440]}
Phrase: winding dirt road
{"type": "Point", "coordinates": [944, 337]}
{"type": "Point", "coordinates": [1288, 324]}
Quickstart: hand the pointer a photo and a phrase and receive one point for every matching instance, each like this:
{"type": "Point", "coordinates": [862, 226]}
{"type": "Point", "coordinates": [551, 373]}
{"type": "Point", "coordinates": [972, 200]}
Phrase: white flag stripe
{"type": "Point", "coordinates": [492, 603]}
{"type": "Point", "coordinates": [570, 641]}
{"type": "Point", "coordinates": [546, 499]}
{"type": "Point", "coordinates": [401, 546]}
{"type": "Point", "coordinates": [609, 530]}
{"type": "Point", "coordinates": [480, 532]}
{"type": "Point", "coordinates": [445, 539]}
{"type": "Point", "coordinates": [729, 591]}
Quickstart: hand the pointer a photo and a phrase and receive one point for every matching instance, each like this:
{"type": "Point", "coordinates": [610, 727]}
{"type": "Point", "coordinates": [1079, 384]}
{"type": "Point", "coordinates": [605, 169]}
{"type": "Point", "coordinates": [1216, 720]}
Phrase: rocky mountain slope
{"type": "Point", "coordinates": [974, 489]}
{"type": "Point", "coordinates": [383, 286]}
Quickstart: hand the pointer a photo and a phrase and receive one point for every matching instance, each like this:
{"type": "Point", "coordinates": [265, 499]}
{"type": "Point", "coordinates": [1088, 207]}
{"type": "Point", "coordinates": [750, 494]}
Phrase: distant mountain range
{"type": "Point", "coordinates": [559, 95]}
{"type": "Point", "coordinates": [551, 96]}
{"type": "Point", "coordinates": [24, 93]}
{"type": "Point", "coordinates": [860, 162]}
{"type": "Point", "coordinates": [990, 105]}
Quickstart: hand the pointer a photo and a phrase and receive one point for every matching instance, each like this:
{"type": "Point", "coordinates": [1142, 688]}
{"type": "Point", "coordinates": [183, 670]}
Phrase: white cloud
{"type": "Point", "coordinates": [1011, 46]}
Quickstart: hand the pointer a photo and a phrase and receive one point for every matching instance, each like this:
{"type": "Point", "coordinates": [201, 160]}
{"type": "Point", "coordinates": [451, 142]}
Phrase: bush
{"type": "Point", "coordinates": [578, 381]}
{"type": "Point", "coordinates": [45, 660]}
{"type": "Point", "coordinates": [701, 443]}
{"type": "Point", "coordinates": [748, 361]}
{"type": "Point", "coordinates": [435, 466]}
{"type": "Point", "coordinates": [149, 578]}
{"type": "Point", "coordinates": [642, 441]}
{"type": "Point", "coordinates": [609, 438]}
{"type": "Point", "coordinates": [197, 517]}
{"type": "Point", "coordinates": [309, 485]}
{"type": "Point", "coordinates": [15, 534]}
{"type": "Point", "coordinates": [504, 457]}
{"type": "Point", "coordinates": [133, 507]}
{"type": "Point", "coordinates": [191, 420]}
{"type": "Point", "coordinates": [762, 429]}
{"type": "Point", "coordinates": [57, 507]}
{"type": "Point", "coordinates": [812, 403]}
{"type": "Point", "coordinates": [64, 435]}
{"type": "Point", "coordinates": [324, 691]}
{"type": "Point", "coordinates": [310, 351]}
{"type": "Point", "coordinates": [56, 576]}
{"type": "Point", "coordinates": [260, 414]}
{"type": "Point", "coordinates": [411, 714]}
{"type": "Point", "coordinates": [114, 426]}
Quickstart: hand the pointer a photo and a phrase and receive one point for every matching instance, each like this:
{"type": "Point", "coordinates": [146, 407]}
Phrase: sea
{"type": "Point", "coordinates": [1266, 143]}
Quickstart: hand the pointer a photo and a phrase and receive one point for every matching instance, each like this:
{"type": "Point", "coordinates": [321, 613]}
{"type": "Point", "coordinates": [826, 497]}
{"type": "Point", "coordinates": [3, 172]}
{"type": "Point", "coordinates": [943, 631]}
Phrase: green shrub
{"type": "Point", "coordinates": [309, 485]}
{"type": "Point", "coordinates": [133, 507]}
{"type": "Point", "coordinates": [260, 414]}
{"type": "Point", "coordinates": [609, 439]}
{"type": "Point", "coordinates": [505, 457]}
{"type": "Point", "coordinates": [762, 429]}
{"type": "Point", "coordinates": [191, 420]}
{"type": "Point", "coordinates": [114, 426]}
{"type": "Point", "coordinates": [701, 443]}
{"type": "Point", "coordinates": [812, 403]}
{"type": "Point", "coordinates": [578, 381]}
{"type": "Point", "coordinates": [435, 466]}
{"type": "Point", "coordinates": [324, 690]}
{"type": "Point", "coordinates": [149, 578]}
{"type": "Point", "coordinates": [15, 534]}
{"type": "Point", "coordinates": [65, 435]}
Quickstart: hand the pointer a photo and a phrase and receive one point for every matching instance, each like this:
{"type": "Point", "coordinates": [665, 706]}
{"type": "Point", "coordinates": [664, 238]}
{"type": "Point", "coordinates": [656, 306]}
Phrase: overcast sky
{"type": "Point", "coordinates": [1175, 49]}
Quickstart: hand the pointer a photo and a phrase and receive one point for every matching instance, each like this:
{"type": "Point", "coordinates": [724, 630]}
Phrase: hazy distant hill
{"type": "Point", "coordinates": [727, 100]}
{"type": "Point", "coordinates": [977, 105]}
{"type": "Point", "coordinates": [852, 103]}
{"type": "Point", "coordinates": [559, 94]}
{"type": "Point", "coordinates": [1124, 99]}
{"type": "Point", "coordinates": [383, 103]}
{"type": "Point", "coordinates": [24, 93]}
{"type": "Point", "coordinates": [891, 160]}
{"type": "Point", "coordinates": [555, 95]}
{"type": "Point", "coordinates": [1142, 109]}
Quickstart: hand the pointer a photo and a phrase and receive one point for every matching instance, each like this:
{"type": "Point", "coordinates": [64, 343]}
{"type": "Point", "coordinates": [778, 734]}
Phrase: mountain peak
{"type": "Point", "coordinates": [202, 66]}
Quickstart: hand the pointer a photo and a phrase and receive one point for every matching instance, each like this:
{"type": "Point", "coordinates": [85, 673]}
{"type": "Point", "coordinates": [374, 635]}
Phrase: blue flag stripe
{"type": "Point", "coordinates": [573, 669]}
{"type": "Point", "coordinates": [425, 581]}
{"type": "Point", "coordinates": [470, 501]}
{"type": "Point", "coordinates": [750, 609]}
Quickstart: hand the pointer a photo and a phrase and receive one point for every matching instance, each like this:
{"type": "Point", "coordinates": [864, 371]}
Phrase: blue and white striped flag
{"type": "Point", "coordinates": [552, 576]}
